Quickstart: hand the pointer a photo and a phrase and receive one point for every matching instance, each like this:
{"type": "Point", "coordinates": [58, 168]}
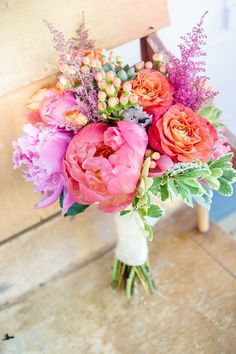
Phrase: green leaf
{"type": "Point", "coordinates": [148, 230]}
{"type": "Point", "coordinates": [75, 209]}
{"type": "Point", "coordinates": [213, 182]}
{"type": "Point", "coordinates": [222, 162]}
{"type": "Point", "coordinates": [211, 114]}
{"type": "Point", "coordinates": [155, 211]}
{"type": "Point", "coordinates": [225, 187]}
{"type": "Point", "coordinates": [124, 212]}
{"type": "Point", "coordinates": [230, 175]}
{"type": "Point", "coordinates": [185, 194]}
{"type": "Point", "coordinates": [164, 191]}
{"type": "Point", "coordinates": [155, 187]}
{"type": "Point", "coordinates": [216, 172]}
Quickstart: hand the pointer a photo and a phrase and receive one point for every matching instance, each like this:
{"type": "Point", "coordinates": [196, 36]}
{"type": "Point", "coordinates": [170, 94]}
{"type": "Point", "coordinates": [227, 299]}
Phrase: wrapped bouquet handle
{"type": "Point", "coordinates": [131, 255]}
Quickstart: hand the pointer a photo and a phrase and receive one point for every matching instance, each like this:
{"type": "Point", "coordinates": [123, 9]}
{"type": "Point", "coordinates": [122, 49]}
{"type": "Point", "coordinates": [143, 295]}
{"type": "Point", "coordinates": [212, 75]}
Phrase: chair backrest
{"type": "Point", "coordinates": [26, 63]}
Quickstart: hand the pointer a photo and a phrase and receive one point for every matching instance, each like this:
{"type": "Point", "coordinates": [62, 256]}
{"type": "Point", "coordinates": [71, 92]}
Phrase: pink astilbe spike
{"type": "Point", "coordinates": [186, 72]}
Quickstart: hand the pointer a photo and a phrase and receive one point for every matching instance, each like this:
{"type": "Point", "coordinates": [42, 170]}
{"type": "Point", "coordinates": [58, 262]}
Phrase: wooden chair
{"type": "Point", "coordinates": [28, 63]}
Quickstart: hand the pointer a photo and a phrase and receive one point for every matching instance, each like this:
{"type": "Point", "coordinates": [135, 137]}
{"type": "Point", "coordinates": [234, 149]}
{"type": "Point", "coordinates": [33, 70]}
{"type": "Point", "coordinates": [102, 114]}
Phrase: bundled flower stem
{"type": "Point", "coordinates": [127, 277]}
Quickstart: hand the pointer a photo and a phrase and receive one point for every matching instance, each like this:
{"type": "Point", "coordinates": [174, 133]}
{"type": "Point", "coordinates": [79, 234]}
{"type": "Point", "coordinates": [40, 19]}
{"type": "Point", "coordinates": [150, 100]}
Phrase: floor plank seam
{"type": "Point", "coordinates": [216, 260]}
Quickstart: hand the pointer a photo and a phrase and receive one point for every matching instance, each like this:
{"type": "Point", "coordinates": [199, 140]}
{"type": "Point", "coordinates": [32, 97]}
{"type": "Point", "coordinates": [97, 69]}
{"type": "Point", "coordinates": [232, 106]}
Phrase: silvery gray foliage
{"type": "Point", "coordinates": [137, 115]}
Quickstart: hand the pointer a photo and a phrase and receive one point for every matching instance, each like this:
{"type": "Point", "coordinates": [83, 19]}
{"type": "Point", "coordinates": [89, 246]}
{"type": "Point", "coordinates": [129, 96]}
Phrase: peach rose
{"type": "Point", "coordinates": [183, 135]}
{"type": "Point", "coordinates": [153, 90]}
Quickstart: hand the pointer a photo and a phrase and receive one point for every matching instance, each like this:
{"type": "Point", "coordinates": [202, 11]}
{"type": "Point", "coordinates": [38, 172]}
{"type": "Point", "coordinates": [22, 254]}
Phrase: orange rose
{"type": "Point", "coordinates": [153, 89]}
{"type": "Point", "coordinates": [183, 135]}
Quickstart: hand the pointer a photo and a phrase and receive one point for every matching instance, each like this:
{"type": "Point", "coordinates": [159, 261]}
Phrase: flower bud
{"type": "Point", "coordinates": [112, 101]}
{"type": "Point", "coordinates": [162, 69]}
{"type": "Point", "coordinates": [86, 60]}
{"type": "Point", "coordinates": [148, 153]}
{"type": "Point", "coordinates": [84, 69]}
{"type": "Point", "coordinates": [122, 75]}
{"type": "Point", "coordinates": [119, 60]}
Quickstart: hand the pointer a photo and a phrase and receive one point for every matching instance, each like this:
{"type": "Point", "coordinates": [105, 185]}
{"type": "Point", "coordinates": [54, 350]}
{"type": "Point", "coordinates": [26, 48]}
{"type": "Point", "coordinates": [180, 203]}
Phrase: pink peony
{"type": "Point", "coordinates": [57, 109]}
{"type": "Point", "coordinates": [102, 165]}
{"type": "Point", "coordinates": [42, 150]}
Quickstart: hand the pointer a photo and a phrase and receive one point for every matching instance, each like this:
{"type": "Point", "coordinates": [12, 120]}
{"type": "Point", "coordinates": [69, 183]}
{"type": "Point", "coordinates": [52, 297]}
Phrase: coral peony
{"type": "Point", "coordinates": [41, 150]}
{"type": "Point", "coordinates": [152, 89]}
{"type": "Point", "coordinates": [102, 164]}
{"type": "Point", "coordinates": [183, 135]}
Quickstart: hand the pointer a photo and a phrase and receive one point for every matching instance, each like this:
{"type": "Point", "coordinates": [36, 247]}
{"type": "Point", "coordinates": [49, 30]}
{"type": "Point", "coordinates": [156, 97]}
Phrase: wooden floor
{"type": "Point", "coordinates": [193, 311]}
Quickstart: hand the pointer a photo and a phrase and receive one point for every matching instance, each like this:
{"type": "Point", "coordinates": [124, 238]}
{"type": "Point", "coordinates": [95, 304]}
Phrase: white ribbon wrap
{"type": "Point", "coordinates": [131, 246]}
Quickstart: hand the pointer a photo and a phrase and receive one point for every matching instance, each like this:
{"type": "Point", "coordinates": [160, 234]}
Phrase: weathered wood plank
{"type": "Point", "coordinates": [51, 250]}
{"type": "Point", "coordinates": [17, 199]}
{"type": "Point", "coordinates": [27, 53]}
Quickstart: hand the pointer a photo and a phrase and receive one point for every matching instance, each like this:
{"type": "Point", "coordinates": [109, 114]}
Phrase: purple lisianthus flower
{"type": "Point", "coordinates": [41, 149]}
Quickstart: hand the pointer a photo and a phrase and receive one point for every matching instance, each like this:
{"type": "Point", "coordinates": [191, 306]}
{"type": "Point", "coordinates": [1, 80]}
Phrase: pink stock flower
{"type": "Point", "coordinates": [42, 150]}
{"type": "Point", "coordinates": [221, 147]}
{"type": "Point", "coordinates": [102, 165]}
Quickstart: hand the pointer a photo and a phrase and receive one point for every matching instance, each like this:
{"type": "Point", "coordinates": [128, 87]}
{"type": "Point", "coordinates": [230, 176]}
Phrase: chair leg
{"type": "Point", "coordinates": [202, 218]}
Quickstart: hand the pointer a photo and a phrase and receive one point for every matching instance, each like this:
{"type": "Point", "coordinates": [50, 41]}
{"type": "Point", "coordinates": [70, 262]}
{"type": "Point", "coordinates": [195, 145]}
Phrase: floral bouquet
{"type": "Point", "coordinates": [125, 137]}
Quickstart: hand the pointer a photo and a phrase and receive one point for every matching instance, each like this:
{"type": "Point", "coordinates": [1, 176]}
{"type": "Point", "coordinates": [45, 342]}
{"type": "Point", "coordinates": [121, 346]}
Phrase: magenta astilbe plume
{"type": "Point", "coordinates": [186, 72]}
{"type": "Point", "coordinates": [41, 150]}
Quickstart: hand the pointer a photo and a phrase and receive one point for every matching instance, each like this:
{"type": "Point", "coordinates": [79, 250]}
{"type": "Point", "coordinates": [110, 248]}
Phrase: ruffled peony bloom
{"type": "Point", "coordinates": [57, 109]}
{"type": "Point", "coordinates": [153, 90]}
{"type": "Point", "coordinates": [42, 150]}
{"type": "Point", "coordinates": [102, 164]}
{"type": "Point", "coordinates": [183, 135]}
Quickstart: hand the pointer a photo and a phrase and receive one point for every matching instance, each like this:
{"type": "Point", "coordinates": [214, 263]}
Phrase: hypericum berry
{"type": "Point", "coordinates": [93, 63]}
{"type": "Point", "coordinates": [112, 101]}
{"type": "Point", "coordinates": [124, 100]}
{"type": "Point", "coordinates": [157, 57]}
{"type": "Point", "coordinates": [110, 75]}
{"type": "Point", "coordinates": [116, 82]}
{"type": "Point", "coordinates": [139, 65]}
{"type": "Point", "coordinates": [101, 95]}
{"type": "Point", "coordinates": [98, 76]}
{"type": "Point", "coordinates": [102, 85]}
{"type": "Point", "coordinates": [84, 69]}
{"type": "Point", "coordinates": [127, 87]}
{"type": "Point", "coordinates": [153, 164]}
{"type": "Point", "coordinates": [148, 65]}
{"type": "Point", "coordinates": [102, 106]}
{"type": "Point", "coordinates": [156, 155]}
{"type": "Point", "coordinates": [133, 98]}
{"type": "Point", "coordinates": [110, 89]}
{"type": "Point", "coordinates": [86, 60]}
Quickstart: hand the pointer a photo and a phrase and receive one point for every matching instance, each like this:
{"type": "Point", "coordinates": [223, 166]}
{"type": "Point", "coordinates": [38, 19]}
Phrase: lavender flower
{"type": "Point", "coordinates": [185, 73]}
{"type": "Point", "coordinates": [42, 150]}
